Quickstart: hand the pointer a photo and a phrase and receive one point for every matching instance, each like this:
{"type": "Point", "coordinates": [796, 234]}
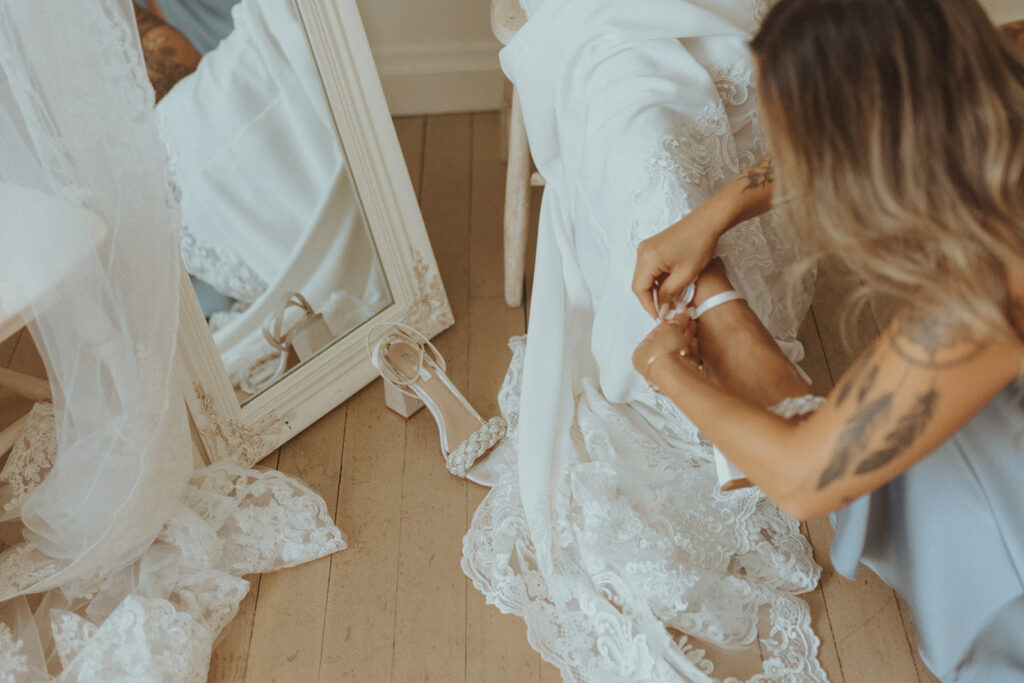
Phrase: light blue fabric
{"type": "Point", "coordinates": [204, 22]}
{"type": "Point", "coordinates": [948, 535]}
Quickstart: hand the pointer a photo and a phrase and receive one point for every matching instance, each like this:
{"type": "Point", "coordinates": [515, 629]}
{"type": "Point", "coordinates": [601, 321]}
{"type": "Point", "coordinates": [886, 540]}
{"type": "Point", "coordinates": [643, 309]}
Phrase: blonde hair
{"type": "Point", "coordinates": [898, 133]}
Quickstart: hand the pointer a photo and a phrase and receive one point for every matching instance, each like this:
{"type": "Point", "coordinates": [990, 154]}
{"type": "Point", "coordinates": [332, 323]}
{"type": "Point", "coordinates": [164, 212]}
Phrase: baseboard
{"type": "Point", "coordinates": [441, 79]}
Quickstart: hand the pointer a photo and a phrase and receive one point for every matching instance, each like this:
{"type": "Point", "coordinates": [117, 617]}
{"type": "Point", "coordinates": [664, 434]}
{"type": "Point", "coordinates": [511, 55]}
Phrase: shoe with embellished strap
{"type": "Point", "coordinates": [414, 376]}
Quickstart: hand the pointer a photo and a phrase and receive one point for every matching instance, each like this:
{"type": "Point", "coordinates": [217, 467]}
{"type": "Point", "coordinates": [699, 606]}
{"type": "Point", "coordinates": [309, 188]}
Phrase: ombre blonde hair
{"type": "Point", "coordinates": [897, 128]}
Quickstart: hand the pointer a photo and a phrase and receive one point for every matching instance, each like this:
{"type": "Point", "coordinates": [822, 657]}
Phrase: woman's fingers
{"type": "Point", "coordinates": [673, 285]}
{"type": "Point", "coordinates": [645, 278]}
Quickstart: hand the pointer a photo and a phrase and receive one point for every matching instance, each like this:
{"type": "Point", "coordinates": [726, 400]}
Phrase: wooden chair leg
{"type": "Point", "coordinates": [517, 206]}
{"type": "Point", "coordinates": [503, 118]}
{"type": "Point", "coordinates": [25, 385]}
{"type": "Point", "coordinates": [9, 436]}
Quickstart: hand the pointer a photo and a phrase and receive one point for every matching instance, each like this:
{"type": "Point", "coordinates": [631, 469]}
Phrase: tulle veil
{"type": "Point", "coordinates": [124, 553]}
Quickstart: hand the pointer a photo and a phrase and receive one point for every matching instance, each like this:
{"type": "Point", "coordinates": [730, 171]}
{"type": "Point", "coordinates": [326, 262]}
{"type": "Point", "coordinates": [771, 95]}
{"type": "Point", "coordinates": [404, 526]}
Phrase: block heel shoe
{"type": "Point", "coordinates": [414, 376]}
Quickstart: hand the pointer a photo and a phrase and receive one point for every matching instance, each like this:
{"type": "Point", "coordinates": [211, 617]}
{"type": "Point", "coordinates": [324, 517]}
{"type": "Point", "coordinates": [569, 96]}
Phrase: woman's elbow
{"type": "Point", "coordinates": [800, 498]}
{"type": "Point", "coordinates": [806, 505]}
{"type": "Point", "coordinates": [800, 510]}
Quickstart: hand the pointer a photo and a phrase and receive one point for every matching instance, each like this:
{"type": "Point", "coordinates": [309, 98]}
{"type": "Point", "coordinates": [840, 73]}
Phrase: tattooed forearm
{"type": "Point", "coordinates": [907, 429]}
{"type": "Point", "coordinates": [860, 380]}
{"type": "Point", "coordinates": [855, 435]}
{"type": "Point", "coordinates": [929, 340]}
{"type": "Point", "coordinates": [168, 54]}
{"type": "Point", "coordinates": [1014, 31]}
{"type": "Point", "coordinates": [761, 174]}
{"type": "Point", "coordinates": [851, 380]}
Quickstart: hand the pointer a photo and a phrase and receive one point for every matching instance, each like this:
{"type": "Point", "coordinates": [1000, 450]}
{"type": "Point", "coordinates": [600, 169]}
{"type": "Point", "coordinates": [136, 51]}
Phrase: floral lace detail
{"type": "Point", "coordinates": [759, 8]}
{"type": "Point", "coordinates": [231, 521]}
{"type": "Point", "coordinates": [798, 406]}
{"type": "Point", "coordinates": [144, 639]}
{"type": "Point", "coordinates": [12, 661]}
{"type": "Point", "coordinates": [733, 83]}
{"type": "Point", "coordinates": [70, 634]}
{"type": "Point", "coordinates": [658, 572]}
{"type": "Point", "coordinates": [244, 504]}
{"type": "Point", "coordinates": [31, 458]}
{"type": "Point", "coordinates": [22, 566]}
{"type": "Point", "coordinates": [225, 271]}
{"type": "Point", "coordinates": [691, 164]}
{"type": "Point", "coordinates": [696, 161]}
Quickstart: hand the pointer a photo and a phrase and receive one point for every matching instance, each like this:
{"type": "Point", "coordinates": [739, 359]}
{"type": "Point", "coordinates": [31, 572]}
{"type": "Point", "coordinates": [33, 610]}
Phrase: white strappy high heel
{"type": "Point", "coordinates": [414, 376]}
{"type": "Point", "coordinates": [304, 339]}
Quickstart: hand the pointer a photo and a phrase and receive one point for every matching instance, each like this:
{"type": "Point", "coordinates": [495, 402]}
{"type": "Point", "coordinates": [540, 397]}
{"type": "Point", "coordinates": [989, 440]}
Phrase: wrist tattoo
{"type": "Point", "coordinates": [761, 174]}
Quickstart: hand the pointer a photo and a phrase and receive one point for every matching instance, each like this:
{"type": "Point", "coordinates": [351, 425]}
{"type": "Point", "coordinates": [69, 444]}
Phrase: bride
{"type": "Point", "coordinates": [604, 528]}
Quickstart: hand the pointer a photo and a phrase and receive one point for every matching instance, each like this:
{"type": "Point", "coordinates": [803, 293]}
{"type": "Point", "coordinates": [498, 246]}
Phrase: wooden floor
{"type": "Point", "coordinates": [395, 605]}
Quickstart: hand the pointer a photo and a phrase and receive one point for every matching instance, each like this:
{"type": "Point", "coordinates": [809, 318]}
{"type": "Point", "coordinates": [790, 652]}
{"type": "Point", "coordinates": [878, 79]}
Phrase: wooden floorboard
{"type": "Point", "coordinates": [864, 617]}
{"type": "Point", "coordinates": [431, 602]}
{"type": "Point", "coordinates": [395, 605]}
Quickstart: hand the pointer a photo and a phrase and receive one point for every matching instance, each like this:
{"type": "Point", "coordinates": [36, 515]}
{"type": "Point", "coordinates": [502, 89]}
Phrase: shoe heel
{"type": "Point", "coordinates": [395, 400]}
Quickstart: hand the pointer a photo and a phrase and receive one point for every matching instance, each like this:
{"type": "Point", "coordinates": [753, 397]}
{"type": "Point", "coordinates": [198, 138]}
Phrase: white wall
{"type": "Point", "coordinates": [439, 56]}
{"type": "Point", "coordinates": [1002, 11]}
{"type": "Point", "coordinates": [434, 56]}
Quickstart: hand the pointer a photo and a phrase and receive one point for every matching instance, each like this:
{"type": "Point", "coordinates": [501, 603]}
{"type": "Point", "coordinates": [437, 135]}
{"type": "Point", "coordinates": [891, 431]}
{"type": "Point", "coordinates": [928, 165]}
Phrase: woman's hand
{"type": "Point", "coordinates": [673, 259]}
{"type": "Point", "coordinates": [663, 345]}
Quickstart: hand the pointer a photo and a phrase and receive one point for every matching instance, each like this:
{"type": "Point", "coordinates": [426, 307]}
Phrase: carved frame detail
{"type": "Point", "coordinates": [247, 433]}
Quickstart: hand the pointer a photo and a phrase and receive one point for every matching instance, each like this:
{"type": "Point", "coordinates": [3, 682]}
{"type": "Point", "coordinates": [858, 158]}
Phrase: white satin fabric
{"type": "Point", "coordinates": [132, 560]}
{"type": "Point", "coordinates": [268, 203]}
{"type": "Point", "coordinates": [604, 528]}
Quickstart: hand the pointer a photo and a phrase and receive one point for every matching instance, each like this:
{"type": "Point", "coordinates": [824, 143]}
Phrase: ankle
{"type": "Point", "coordinates": [712, 280]}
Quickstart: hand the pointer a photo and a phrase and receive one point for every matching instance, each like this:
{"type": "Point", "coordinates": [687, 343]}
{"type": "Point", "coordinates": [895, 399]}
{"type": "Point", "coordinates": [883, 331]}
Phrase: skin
{"type": "Point", "coordinates": [168, 55]}
{"type": "Point", "coordinates": [924, 377]}
{"type": "Point", "coordinates": [1014, 31]}
{"type": "Point", "coordinates": [673, 258]}
{"type": "Point", "coordinates": [921, 380]}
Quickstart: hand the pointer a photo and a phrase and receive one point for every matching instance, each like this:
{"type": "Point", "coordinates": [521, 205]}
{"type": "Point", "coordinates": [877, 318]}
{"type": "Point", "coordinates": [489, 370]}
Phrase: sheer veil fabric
{"type": "Point", "coordinates": [132, 559]}
{"type": "Point", "coordinates": [604, 528]}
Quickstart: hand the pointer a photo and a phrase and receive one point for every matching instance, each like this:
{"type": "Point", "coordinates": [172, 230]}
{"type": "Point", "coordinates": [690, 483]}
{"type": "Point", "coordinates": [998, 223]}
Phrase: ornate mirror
{"type": "Point", "coordinates": [300, 226]}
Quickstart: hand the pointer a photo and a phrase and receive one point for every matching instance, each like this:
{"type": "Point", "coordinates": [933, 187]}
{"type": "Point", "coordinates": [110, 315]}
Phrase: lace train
{"type": "Point", "coordinates": [658, 574]}
{"type": "Point", "coordinates": [158, 619]}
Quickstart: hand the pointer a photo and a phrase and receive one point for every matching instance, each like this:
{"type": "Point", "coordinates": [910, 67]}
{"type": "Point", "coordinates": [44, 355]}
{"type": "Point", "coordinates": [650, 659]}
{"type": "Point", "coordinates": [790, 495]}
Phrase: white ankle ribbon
{"type": "Point", "coordinates": [716, 300]}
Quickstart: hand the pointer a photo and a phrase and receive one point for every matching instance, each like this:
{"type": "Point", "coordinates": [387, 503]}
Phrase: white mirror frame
{"type": "Point", "coordinates": [247, 433]}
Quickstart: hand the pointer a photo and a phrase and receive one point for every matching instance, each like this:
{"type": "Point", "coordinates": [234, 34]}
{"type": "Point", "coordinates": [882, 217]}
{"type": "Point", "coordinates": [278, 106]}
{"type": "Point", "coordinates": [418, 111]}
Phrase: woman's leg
{"type": "Point", "coordinates": [739, 353]}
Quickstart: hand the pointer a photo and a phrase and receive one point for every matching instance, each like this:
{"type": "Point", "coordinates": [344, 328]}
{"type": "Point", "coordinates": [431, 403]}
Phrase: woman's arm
{"type": "Point", "coordinates": [168, 55]}
{"type": "Point", "coordinates": [921, 380]}
{"type": "Point", "coordinates": [1014, 31]}
{"type": "Point", "coordinates": [676, 256]}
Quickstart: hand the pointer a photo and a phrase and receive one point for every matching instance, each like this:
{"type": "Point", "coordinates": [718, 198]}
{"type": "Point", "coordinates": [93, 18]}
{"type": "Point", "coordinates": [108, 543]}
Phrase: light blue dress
{"type": "Point", "coordinates": [948, 535]}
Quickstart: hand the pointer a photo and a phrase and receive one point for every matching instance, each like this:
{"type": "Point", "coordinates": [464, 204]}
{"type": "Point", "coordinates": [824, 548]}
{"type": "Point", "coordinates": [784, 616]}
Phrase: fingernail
{"type": "Point", "coordinates": [663, 310]}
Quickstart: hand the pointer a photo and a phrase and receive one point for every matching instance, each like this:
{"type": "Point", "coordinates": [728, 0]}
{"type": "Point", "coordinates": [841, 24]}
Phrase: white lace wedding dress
{"type": "Point", "coordinates": [604, 528]}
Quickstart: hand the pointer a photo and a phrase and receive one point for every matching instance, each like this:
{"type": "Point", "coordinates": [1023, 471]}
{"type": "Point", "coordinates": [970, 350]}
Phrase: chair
{"type": "Point", "coordinates": [34, 210]}
{"type": "Point", "coordinates": [507, 17]}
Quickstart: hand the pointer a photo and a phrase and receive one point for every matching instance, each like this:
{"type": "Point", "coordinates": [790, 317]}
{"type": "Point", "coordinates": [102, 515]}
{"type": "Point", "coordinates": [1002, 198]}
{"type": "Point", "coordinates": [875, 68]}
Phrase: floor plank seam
{"type": "Point", "coordinates": [398, 541]}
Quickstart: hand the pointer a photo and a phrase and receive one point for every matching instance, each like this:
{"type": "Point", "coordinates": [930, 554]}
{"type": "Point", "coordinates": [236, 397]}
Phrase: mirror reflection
{"type": "Point", "coordinates": [273, 235]}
